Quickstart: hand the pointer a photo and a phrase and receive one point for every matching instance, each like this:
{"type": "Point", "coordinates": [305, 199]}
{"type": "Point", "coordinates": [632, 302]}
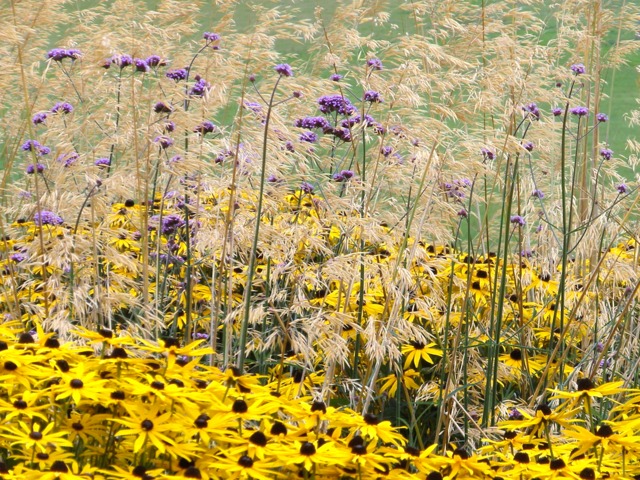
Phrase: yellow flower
{"type": "Point", "coordinates": [409, 378]}
{"type": "Point", "coordinates": [36, 438]}
{"type": "Point", "coordinates": [417, 351]}
{"type": "Point", "coordinates": [149, 426]}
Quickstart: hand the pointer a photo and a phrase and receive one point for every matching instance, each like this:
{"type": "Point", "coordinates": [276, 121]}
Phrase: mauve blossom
{"type": "Point", "coordinates": [177, 74]}
{"type": "Point", "coordinates": [517, 220]}
{"type": "Point", "coordinates": [155, 61]}
{"type": "Point", "coordinates": [622, 189]}
{"type": "Point", "coordinates": [602, 117]}
{"type": "Point", "coordinates": [580, 111]}
{"type": "Point", "coordinates": [45, 217]}
{"type": "Point", "coordinates": [335, 77]}
{"type": "Point", "coordinates": [59, 54]}
{"type": "Point", "coordinates": [606, 153]}
{"type": "Point", "coordinates": [62, 107]}
{"type": "Point", "coordinates": [557, 111]}
{"type": "Point", "coordinates": [39, 118]}
{"type": "Point", "coordinates": [372, 96]}
{"type": "Point", "coordinates": [533, 110]}
{"type": "Point", "coordinates": [162, 107]}
{"type": "Point", "coordinates": [211, 37]}
{"type": "Point", "coordinates": [487, 153]}
{"type": "Point", "coordinates": [284, 69]}
{"type": "Point", "coordinates": [374, 63]}
{"type": "Point", "coordinates": [38, 167]}
{"type": "Point", "coordinates": [102, 162]}
{"type": "Point", "coordinates": [306, 187]}
{"type": "Point", "coordinates": [312, 122]}
{"type": "Point", "coordinates": [336, 103]}
{"type": "Point", "coordinates": [164, 141]}
{"type": "Point", "coordinates": [528, 146]}
{"type": "Point", "coordinates": [205, 127]}
{"type": "Point", "coordinates": [578, 68]}
{"type": "Point", "coordinates": [200, 88]}
{"type": "Point", "coordinates": [309, 137]}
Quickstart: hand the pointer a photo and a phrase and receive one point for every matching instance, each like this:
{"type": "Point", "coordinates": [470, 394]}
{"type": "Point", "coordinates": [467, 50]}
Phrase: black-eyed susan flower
{"type": "Point", "coordinates": [417, 350]}
{"type": "Point", "coordinates": [32, 438]}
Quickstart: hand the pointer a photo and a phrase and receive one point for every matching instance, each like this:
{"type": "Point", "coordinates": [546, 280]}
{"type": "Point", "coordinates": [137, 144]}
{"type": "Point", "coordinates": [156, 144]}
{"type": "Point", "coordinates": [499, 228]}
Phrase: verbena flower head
{"type": "Point", "coordinates": [386, 150]}
{"type": "Point", "coordinates": [205, 127]}
{"type": "Point", "coordinates": [309, 137]}
{"type": "Point", "coordinates": [35, 146]}
{"type": "Point", "coordinates": [255, 107]}
{"type": "Point", "coordinates": [312, 122]}
{"type": "Point", "coordinates": [59, 54]}
{"type": "Point", "coordinates": [211, 37]}
{"type": "Point", "coordinates": [141, 65]}
{"type": "Point", "coordinates": [306, 187]}
{"type": "Point", "coordinates": [67, 159]}
{"type": "Point", "coordinates": [171, 224]}
{"type": "Point", "coordinates": [537, 193]}
{"type": "Point", "coordinates": [162, 107]}
{"type": "Point", "coordinates": [102, 162]}
{"type": "Point", "coordinates": [164, 141]}
{"type": "Point", "coordinates": [336, 103]}
{"type": "Point", "coordinates": [533, 110]}
{"type": "Point", "coordinates": [462, 213]}
{"type": "Point", "coordinates": [557, 111]}
{"type": "Point", "coordinates": [606, 153]}
{"type": "Point", "coordinates": [200, 88]}
{"type": "Point", "coordinates": [350, 122]}
{"type": "Point", "coordinates": [602, 117]}
{"type": "Point", "coordinates": [155, 61]}
{"type": "Point", "coordinates": [62, 107]}
{"type": "Point", "coordinates": [517, 220]}
{"type": "Point", "coordinates": [374, 64]}
{"type": "Point", "coordinates": [177, 74]}
{"type": "Point", "coordinates": [488, 153]}
{"type": "Point", "coordinates": [334, 77]}
{"type": "Point", "coordinates": [121, 61]}
{"type": "Point", "coordinates": [578, 68]}
{"type": "Point", "coordinates": [528, 146]}
{"type": "Point", "coordinates": [580, 111]}
{"type": "Point", "coordinates": [622, 189]}
{"type": "Point", "coordinates": [38, 167]}
{"type": "Point", "coordinates": [338, 177]}
{"type": "Point", "coordinates": [39, 118]}
{"type": "Point", "coordinates": [372, 96]}
{"type": "Point", "coordinates": [284, 69]}
{"type": "Point", "coordinates": [45, 217]}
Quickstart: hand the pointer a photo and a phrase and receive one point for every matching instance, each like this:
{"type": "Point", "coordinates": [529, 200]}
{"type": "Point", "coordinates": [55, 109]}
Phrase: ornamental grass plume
{"type": "Point", "coordinates": [214, 268]}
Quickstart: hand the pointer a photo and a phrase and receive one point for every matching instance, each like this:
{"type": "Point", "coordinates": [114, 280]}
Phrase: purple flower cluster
{"type": "Point", "coordinates": [284, 69]}
{"type": "Point", "coordinates": [67, 159]}
{"type": "Point", "coordinates": [102, 162]}
{"type": "Point", "coordinates": [309, 137]}
{"type": "Point", "coordinates": [342, 133]}
{"type": "Point", "coordinates": [171, 224]}
{"type": "Point", "coordinates": [45, 217]}
{"type": "Point", "coordinates": [557, 111]}
{"type": "Point", "coordinates": [38, 167]}
{"type": "Point", "coordinates": [350, 122]}
{"type": "Point", "coordinates": [211, 37]}
{"type": "Point", "coordinates": [517, 220]}
{"type": "Point", "coordinates": [39, 118]}
{"type": "Point", "coordinates": [334, 77]}
{"type": "Point", "coordinates": [164, 141]}
{"type": "Point", "coordinates": [336, 103]}
{"type": "Point", "coordinates": [386, 150]}
{"type": "Point", "coordinates": [372, 96]}
{"type": "Point", "coordinates": [17, 257]}
{"type": "Point", "coordinates": [578, 68]}
{"type": "Point", "coordinates": [606, 153]}
{"type": "Point", "coordinates": [59, 54]}
{"type": "Point", "coordinates": [342, 176]}
{"type": "Point", "coordinates": [177, 74]}
{"type": "Point", "coordinates": [141, 65]}
{"type": "Point", "coordinates": [121, 61]}
{"type": "Point", "coordinates": [155, 61]}
{"type": "Point", "coordinates": [255, 107]}
{"type": "Point", "coordinates": [622, 189]}
{"type": "Point", "coordinates": [532, 110]}
{"type": "Point", "coordinates": [312, 122]}
{"type": "Point", "coordinates": [580, 111]}
{"type": "Point", "coordinates": [306, 187]}
{"type": "Point", "coordinates": [456, 188]}
{"type": "Point", "coordinates": [35, 146]}
{"type": "Point", "coordinates": [62, 107]}
{"type": "Point", "coordinates": [162, 107]}
{"type": "Point", "coordinates": [487, 153]}
{"type": "Point", "coordinates": [602, 117]}
{"type": "Point", "coordinates": [374, 63]}
{"type": "Point", "coordinates": [200, 88]}
{"type": "Point", "coordinates": [205, 127]}
{"type": "Point", "coordinates": [537, 194]}
{"type": "Point", "coordinates": [528, 146]}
